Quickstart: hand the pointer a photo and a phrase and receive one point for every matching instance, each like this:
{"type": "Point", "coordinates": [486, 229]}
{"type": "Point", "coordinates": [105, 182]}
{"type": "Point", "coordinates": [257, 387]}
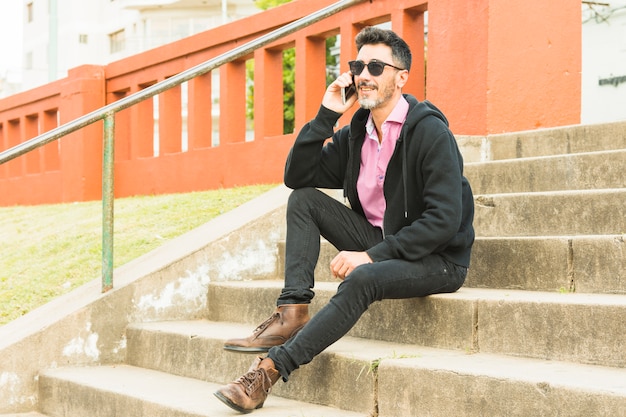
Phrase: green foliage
{"type": "Point", "coordinates": [331, 61]}
{"type": "Point", "coordinates": [268, 4]}
{"type": "Point", "coordinates": [289, 90]}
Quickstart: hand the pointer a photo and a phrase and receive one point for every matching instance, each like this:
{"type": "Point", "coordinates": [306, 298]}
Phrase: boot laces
{"type": "Point", "coordinates": [266, 323]}
{"type": "Point", "coordinates": [252, 380]}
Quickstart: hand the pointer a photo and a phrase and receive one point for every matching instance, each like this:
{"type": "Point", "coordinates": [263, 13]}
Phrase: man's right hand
{"type": "Point", "coordinates": [332, 97]}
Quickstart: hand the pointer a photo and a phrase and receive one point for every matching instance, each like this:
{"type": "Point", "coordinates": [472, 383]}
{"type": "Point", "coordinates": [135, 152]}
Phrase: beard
{"type": "Point", "coordinates": [383, 96]}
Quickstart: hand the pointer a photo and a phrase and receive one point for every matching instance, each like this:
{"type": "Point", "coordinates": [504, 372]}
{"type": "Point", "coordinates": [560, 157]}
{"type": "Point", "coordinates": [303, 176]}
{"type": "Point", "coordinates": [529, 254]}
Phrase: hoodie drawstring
{"type": "Point", "coordinates": [404, 176]}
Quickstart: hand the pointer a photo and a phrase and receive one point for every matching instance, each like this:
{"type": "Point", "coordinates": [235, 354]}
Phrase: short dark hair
{"type": "Point", "coordinates": [372, 35]}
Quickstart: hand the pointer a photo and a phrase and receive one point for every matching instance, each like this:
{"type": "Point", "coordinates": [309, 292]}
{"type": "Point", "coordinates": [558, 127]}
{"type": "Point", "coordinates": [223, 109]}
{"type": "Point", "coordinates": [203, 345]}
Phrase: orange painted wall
{"type": "Point", "coordinates": [491, 65]}
{"type": "Point", "coordinates": [501, 66]}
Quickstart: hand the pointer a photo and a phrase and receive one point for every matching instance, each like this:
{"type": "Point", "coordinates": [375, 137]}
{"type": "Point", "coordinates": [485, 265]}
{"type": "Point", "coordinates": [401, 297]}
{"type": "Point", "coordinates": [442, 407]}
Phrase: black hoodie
{"type": "Point", "coordinates": [430, 207]}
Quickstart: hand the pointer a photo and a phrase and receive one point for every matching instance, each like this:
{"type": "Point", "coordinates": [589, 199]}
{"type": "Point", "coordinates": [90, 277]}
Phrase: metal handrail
{"type": "Point", "coordinates": [107, 113]}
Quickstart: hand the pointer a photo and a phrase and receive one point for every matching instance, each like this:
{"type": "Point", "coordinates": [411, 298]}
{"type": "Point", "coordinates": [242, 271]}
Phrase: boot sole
{"type": "Point", "coordinates": [234, 406]}
{"type": "Point", "coordinates": [243, 349]}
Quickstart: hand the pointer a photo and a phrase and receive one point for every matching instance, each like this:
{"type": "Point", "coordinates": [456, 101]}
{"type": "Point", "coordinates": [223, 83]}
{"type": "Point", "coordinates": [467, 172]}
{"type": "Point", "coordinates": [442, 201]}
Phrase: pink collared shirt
{"type": "Point", "coordinates": [375, 157]}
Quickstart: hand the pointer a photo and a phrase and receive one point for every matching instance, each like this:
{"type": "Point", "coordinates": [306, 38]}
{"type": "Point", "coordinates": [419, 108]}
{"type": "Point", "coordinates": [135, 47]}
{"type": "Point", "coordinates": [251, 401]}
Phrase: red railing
{"type": "Point", "coordinates": [476, 74]}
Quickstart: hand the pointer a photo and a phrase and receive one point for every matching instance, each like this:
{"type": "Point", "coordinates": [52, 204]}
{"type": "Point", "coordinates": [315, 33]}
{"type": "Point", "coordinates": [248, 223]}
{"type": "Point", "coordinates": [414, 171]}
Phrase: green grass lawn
{"type": "Point", "coordinates": [49, 250]}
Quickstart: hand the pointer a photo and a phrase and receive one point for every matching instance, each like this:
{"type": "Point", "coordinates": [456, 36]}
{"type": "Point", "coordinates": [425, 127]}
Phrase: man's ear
{"type": "Point", "coordinates": [401, 78]}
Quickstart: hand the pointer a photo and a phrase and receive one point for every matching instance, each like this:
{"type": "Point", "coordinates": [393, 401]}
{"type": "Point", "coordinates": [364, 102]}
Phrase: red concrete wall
{"type": "Point", "coordinates": [500, 66]}
{"type": "Point", "coordinates": [491, 65]}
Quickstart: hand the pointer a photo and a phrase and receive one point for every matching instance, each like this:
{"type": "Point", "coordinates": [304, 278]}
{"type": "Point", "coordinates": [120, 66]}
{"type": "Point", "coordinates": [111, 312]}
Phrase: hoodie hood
{"type": "Point", "coordinates": [419, 110]}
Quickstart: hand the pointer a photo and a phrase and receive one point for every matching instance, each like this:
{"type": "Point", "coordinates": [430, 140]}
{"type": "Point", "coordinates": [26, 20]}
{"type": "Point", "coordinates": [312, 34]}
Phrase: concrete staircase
{"type": "Point", "coordinates": [538, 329]}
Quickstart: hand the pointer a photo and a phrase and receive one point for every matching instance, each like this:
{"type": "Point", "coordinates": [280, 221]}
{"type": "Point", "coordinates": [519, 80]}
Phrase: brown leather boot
{"type": "Point", "coordinates": [249, 392]}
{"type": "Point", "coordinates": [286, 321]}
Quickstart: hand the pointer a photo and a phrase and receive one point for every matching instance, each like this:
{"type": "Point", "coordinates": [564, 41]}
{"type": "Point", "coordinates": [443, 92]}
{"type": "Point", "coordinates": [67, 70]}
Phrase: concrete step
{"type": "Point", "coordinates": [587, 212]}
{"type": "Point", "coordinates": [195, 349]}
{"type": "Point", "coordinates": [127, 391]}
{"type": "Point", "coordinates": [374, 375]}
{"type": "Point", "coordinates": [502, 321]}
{"type": "Point", "coordinates": [586, 264]}
{"type": "Point", "coordinates": [584, 171]}
{"type": "Point", "coordinates": [550, 213]}
{"type": "Point", "coordinates": [32, 414]}
{"type": "Point", "coordinates": [454, 384]}
{"type": "Point", "coordinates": [544, 142]}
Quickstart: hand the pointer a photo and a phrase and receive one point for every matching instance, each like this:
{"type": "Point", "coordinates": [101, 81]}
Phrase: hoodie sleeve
{"type": "Point", "coordinates": [311, 162]}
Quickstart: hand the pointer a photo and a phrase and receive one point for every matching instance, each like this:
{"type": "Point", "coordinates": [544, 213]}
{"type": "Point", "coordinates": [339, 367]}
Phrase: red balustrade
{"type": "Point", "coordinates": [492, 67]}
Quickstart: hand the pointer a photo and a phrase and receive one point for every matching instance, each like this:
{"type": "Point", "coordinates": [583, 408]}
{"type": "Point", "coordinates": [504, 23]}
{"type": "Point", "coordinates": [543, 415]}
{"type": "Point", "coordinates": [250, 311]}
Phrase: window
{"type": "Point", "coordinates": [28, 60]}
{"type": "Point", "coordinates": [117, 41]}
{"type": "Point", "coordinates": [82, 38]}
{"type": "Point", "coordinates": [29, 12]}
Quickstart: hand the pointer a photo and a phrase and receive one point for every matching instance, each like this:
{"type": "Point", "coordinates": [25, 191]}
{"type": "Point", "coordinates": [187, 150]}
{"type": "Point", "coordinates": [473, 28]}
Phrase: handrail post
{"type": "Point", "coordinates": [108, 201]}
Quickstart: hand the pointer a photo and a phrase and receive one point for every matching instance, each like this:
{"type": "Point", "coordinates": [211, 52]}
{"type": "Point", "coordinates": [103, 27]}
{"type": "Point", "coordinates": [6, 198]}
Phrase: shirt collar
{"type": "Point", "coordinates": [397, 115]}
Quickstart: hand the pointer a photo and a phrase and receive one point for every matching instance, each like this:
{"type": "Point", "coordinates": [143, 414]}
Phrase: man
{"type": "Point", "coordinates": [408, 231]}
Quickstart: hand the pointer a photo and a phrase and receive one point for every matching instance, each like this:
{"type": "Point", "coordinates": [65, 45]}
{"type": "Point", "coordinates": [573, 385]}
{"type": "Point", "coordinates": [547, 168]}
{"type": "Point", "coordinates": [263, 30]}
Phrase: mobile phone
{"type": "Point", "coordinates": [347, 92]}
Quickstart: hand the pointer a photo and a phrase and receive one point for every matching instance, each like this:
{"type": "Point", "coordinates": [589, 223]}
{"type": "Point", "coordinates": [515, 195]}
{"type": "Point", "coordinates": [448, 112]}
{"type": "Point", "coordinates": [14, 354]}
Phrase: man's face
{"type": "Point", "coordinates": [376, 91]}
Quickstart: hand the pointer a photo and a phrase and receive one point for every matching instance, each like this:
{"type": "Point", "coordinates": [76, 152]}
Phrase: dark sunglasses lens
{"type": "Point", "coordinates": [356, 67]}
{"type": "Point", "coordinates": [375, 68]}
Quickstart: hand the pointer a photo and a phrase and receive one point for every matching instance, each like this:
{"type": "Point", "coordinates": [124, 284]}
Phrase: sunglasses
{"type": "Point", "coordinates": [375, 68]}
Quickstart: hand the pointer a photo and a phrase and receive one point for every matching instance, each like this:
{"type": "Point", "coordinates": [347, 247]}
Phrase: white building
{"type": "Point", "coordinates": [62, 34]}
{"type": "Point", "coordinates": [603, 61]}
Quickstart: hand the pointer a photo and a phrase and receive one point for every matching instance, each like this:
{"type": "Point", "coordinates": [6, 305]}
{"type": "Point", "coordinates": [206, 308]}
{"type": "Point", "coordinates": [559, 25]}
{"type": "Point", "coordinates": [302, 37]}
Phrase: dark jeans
{"type": "Point", "coordinates": [311, 214]}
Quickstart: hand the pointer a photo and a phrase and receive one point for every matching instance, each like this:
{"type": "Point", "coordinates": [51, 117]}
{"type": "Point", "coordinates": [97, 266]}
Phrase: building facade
{"type": "Point", "coordinates": [63, 34]}
{"type": "Point", "coordinates": [603, 61]}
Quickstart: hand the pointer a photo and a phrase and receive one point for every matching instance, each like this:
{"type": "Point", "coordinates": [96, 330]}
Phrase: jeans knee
{"type": "Point", "coordinates": [305, 193]}
{"type": "Point", "coordinates": [299, 197]}
{"type": "Point", "coordinates": [360, 285]}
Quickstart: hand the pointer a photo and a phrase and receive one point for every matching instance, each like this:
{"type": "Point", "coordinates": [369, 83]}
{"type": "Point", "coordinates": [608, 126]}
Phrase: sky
{"type": "Point", "coordinates": [10, 34]}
